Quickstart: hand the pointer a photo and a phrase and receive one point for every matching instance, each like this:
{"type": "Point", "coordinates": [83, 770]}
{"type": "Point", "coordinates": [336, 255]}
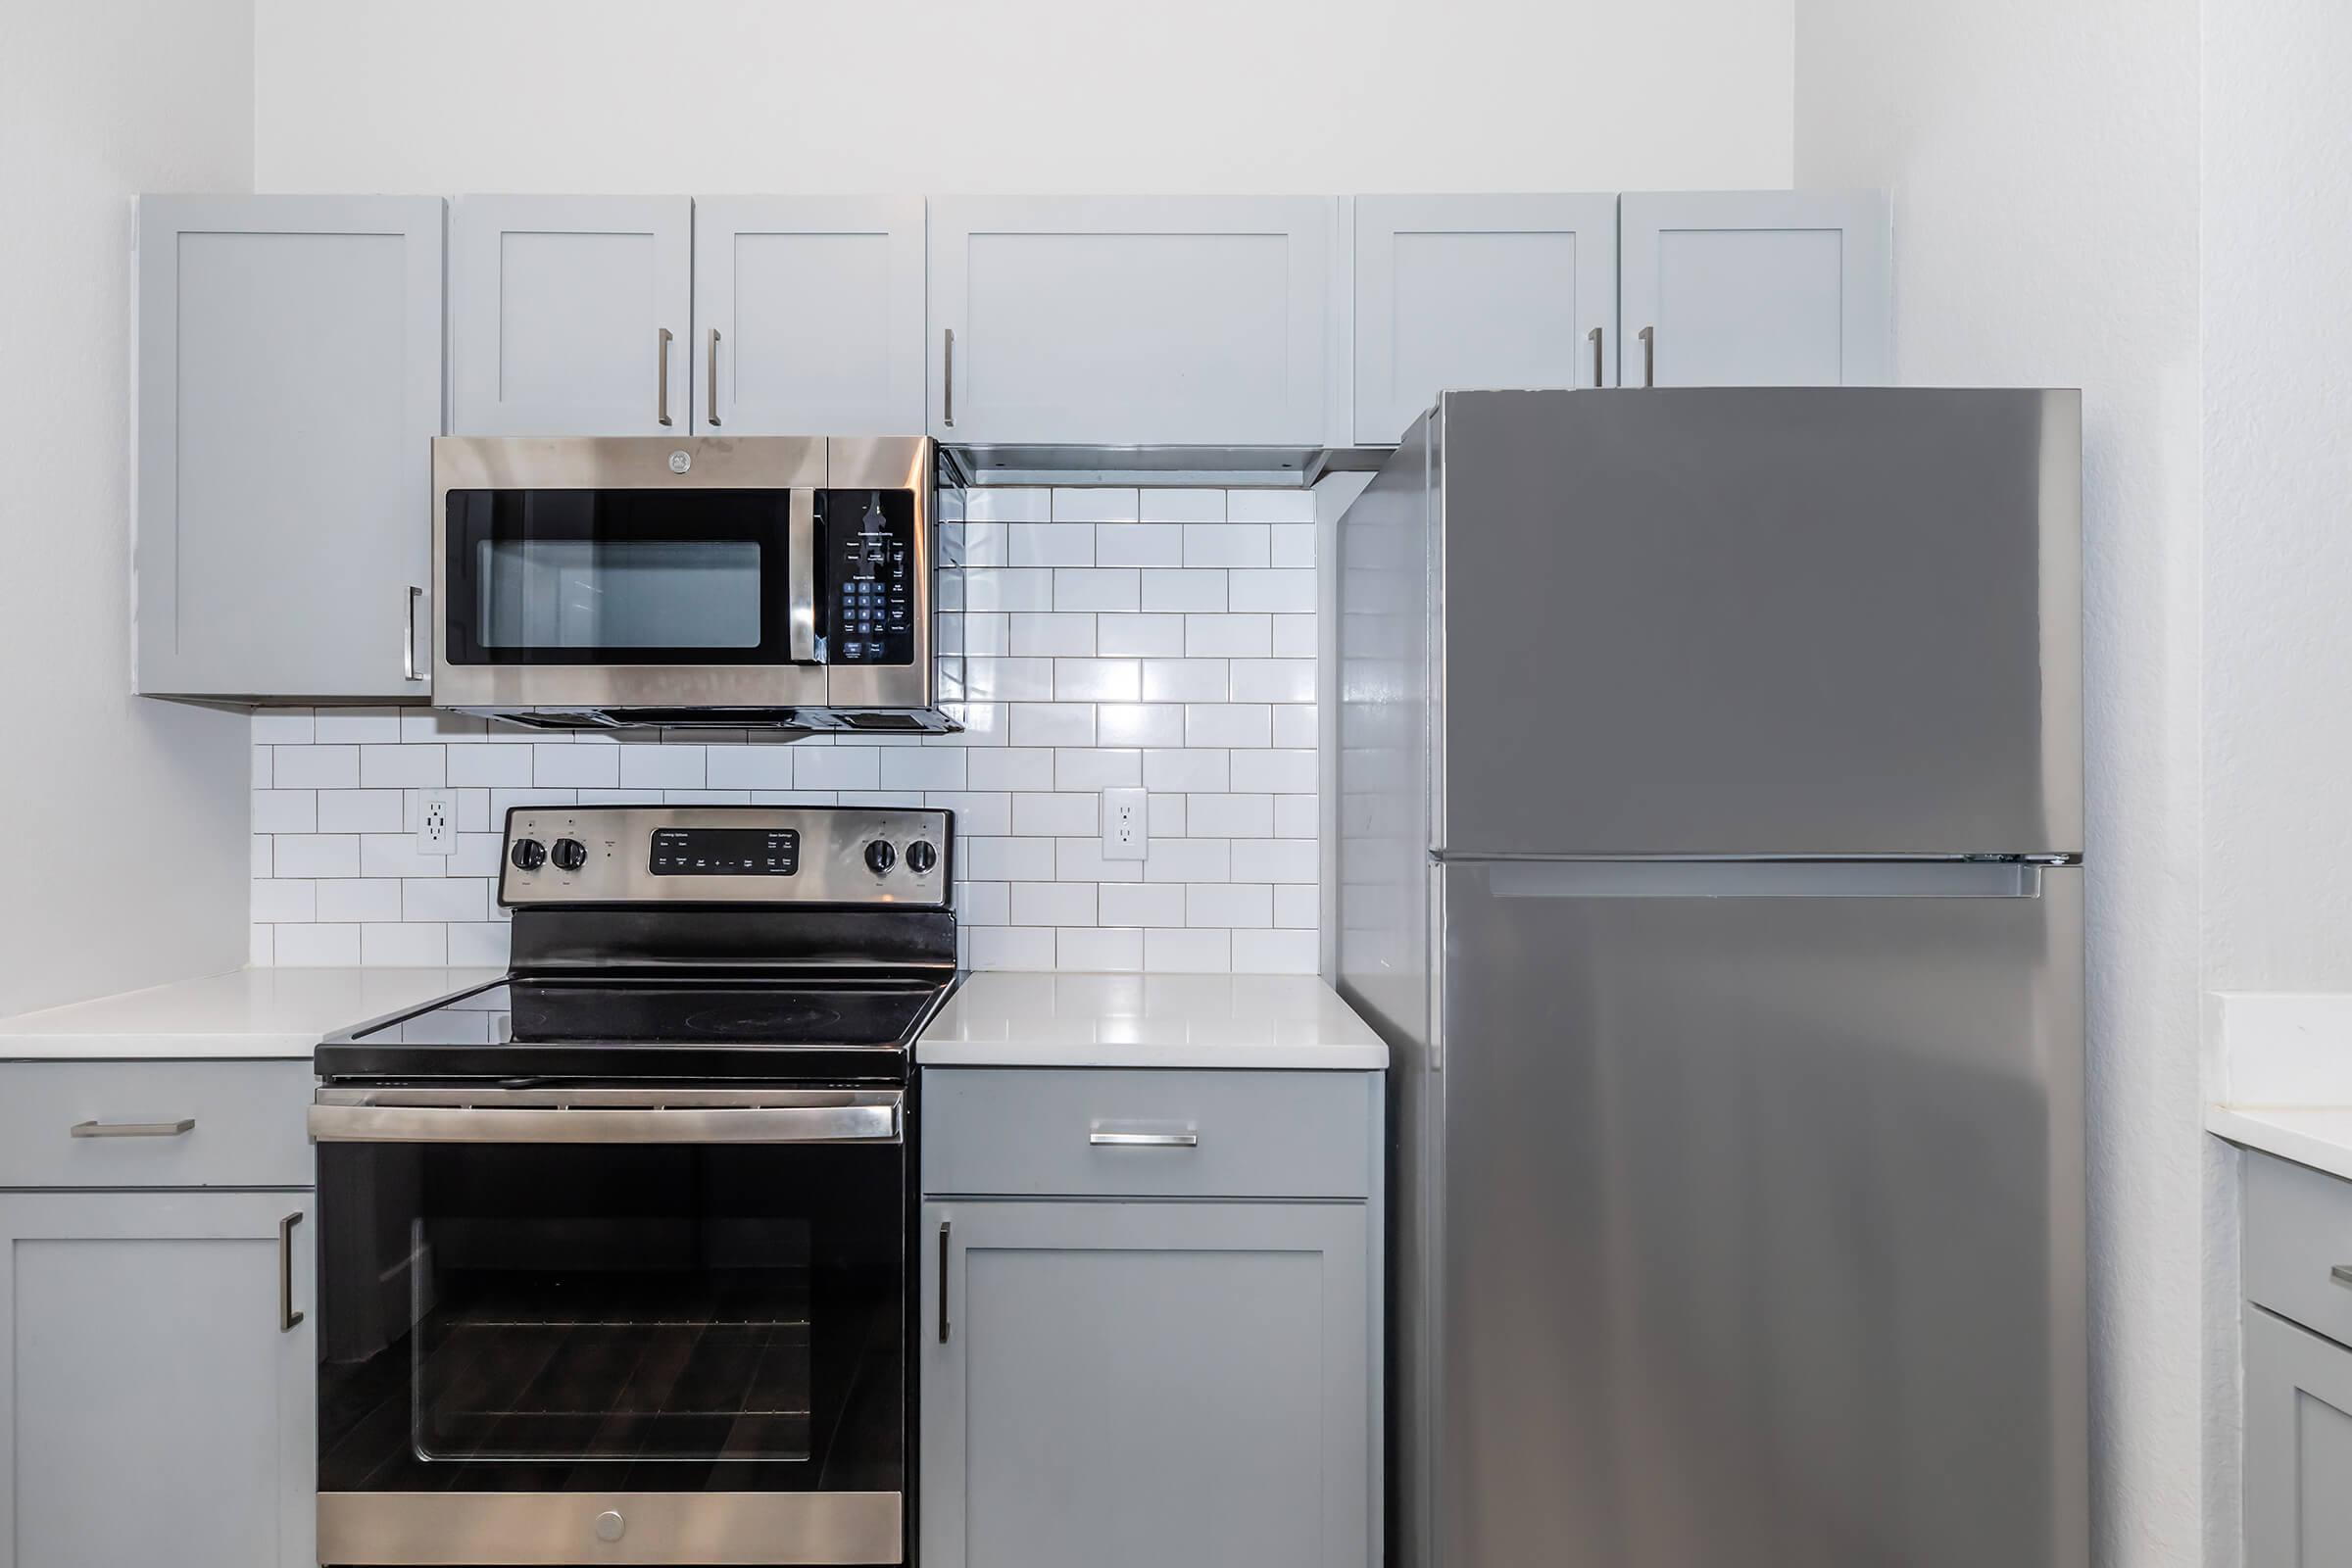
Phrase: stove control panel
{"type": "Point", "coordinates": [768, 854]}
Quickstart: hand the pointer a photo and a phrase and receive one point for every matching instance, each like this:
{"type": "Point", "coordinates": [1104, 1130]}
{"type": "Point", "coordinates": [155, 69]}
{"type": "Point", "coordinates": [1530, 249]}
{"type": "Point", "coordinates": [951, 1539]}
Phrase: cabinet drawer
{"type": "Point", "coordinates": [2298, 1228]}
{"type": "Point", "coordinates": [249, 1124]}
{"type": "Point", "coordinates": [1148, 1134]}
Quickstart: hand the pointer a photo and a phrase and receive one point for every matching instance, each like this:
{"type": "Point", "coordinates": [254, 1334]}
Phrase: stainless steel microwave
{"type": "Point", "coordinates": [762, 582]}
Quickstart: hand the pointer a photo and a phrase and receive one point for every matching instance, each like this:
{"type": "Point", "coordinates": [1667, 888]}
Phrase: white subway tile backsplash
{"type": "Point", "coordinates": [1183, 590]}
{"type": "Point", "coordinates": [1112, 637]}
{"type": "Point", "coordinates": [1184, 680]}
{"type": "Point", "coordinates": [316, 768]}
{"type": "Point", "coordinates": [1138, 544]}
{"type": "Point", "coordinates": [1140, 636]}
{"type": "Point", "coordinates": [1110, 589]}
{"type": "Point", "coordinates": [1095, 505]}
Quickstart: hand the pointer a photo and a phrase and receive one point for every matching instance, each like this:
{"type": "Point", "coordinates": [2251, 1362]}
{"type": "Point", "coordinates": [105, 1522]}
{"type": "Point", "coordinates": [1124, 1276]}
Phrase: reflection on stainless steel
{"type": "Point", "coordinates": [832, 856]}
{"type": "Point", "coordinates": [441, 1529]}
{"type": "Point", "coordinates": [1737, 1069]}
{"type": "Point", "coordinates": [647, 1115]}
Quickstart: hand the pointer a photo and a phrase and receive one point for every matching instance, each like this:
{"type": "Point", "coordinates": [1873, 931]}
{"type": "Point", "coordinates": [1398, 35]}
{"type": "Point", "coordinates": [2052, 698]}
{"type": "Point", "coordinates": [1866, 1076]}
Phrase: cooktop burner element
{"type": "Point", "coordinates": [624, 969]}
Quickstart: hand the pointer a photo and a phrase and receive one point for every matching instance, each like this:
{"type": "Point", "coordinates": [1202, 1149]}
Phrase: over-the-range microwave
{"type": "Point", "coordinates": [762, 582]}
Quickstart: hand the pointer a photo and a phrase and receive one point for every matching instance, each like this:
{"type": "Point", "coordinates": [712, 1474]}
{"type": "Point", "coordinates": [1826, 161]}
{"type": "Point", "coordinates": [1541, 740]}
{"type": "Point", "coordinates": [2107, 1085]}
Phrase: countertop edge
{"type": "Point", "coordinates": [2267, 1130]}
{"type": "Point", "coordinates": [1203, 1059]}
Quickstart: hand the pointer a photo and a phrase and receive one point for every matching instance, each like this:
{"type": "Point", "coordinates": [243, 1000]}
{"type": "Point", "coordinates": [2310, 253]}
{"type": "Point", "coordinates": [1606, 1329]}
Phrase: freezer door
{"type": "Point", "coordinates": [1811, 620]}
{"type": "Point", "coordinates": [1754, 1221]}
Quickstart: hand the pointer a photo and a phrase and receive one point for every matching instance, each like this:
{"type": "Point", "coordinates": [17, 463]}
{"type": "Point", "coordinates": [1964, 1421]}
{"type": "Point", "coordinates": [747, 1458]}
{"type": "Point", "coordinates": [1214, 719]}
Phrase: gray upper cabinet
{"type": "Point", "coordinates": [1161, 1385]}
{"type": "Point", "coordinates": [2298, 1455]}
{"type": "Point", "coordinates": [289, 388]}
{"type": "Point", "coordinates": [808, 316]}
{"type": "Point", "coordinates": [1117, 320]}
{"type": "Point", "coordinates": [157, 1407]}
{"type": "Point", "coordinates": [570, 315]}
{"type": "Point", "coordinates": [1479, 291]}
{"type": "Point", "coordinates": [1755, 288]}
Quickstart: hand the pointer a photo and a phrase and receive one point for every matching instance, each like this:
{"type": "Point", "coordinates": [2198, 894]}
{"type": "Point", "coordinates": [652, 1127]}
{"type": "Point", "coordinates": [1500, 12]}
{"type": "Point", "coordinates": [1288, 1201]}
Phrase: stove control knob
{"type": "Point", "coordinates": [571, 854]}
{"type": "Point", "coordinates": [528, 854]}
{"type": "Point", "coordinates": [921, 857]}
{"type": "Point", "coordinates": [880, 857]}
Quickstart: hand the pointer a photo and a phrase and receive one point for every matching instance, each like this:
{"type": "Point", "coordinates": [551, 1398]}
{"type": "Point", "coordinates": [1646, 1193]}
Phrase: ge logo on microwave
{"type": "Point", "coordinates": [680, 461]}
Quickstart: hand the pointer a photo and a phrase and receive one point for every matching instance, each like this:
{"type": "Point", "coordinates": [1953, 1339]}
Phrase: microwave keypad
{"type": "Point", "coordinates": [872, 556]}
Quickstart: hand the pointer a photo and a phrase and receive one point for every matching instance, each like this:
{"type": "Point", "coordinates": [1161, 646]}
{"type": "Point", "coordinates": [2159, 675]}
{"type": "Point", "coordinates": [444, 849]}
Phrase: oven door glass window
{"type": "Point", "coordinates": [612, 1317]}
{"type": "Point", "coordinates": [617, 576]}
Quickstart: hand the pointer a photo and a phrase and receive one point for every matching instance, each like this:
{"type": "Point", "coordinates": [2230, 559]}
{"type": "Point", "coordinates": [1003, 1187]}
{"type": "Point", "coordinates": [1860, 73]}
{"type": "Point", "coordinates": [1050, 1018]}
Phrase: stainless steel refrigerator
{"type": "Point", "coordinates": [1709, 830]}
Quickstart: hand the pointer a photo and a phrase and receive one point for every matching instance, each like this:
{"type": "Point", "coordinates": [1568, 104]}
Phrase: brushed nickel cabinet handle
{"type": "Point", "coordinates": [408, 636]}
{"type": "Point", "coordinates": [1144, 1140]}
{"type": "Point", "coordinates": [661, 381]}
{"type": "Point", "coordinates": [2341, 1274]}
{"type": "Point", "coordinates": [287, 1317]}
{"type": "Point", "coordinates": [1650, 356]}
{"type": "Point", "coordinates": [948, 380]}
{"type": "Point", "coordinates": [711, 369]}
{"type": "Point", "coordinates": [133, 1129]}
{"type": "Point", "coordinates": [944, 1226]}
{"type": "Point", "coordinates": [1596, 336]}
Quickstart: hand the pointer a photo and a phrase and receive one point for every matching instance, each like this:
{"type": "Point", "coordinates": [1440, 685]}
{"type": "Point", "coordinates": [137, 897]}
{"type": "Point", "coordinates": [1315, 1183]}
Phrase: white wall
{"type": "Point", "coordinates": [125, 860]}
{"type": "Point", "coordinates": [2277, 251]}
{"type": "Point", "coordinates": [2043, 159]}
{"type": "Point", "coordinates": [1023, 95]}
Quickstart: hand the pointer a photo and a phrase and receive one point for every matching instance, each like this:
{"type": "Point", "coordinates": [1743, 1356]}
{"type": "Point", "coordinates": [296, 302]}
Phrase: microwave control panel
{"type": "Point", "coordinates": [871, 561]}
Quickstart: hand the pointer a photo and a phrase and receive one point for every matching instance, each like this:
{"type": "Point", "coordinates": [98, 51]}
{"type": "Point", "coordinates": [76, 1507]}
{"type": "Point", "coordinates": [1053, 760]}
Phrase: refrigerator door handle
{"type": "Point", "coordinates": [1764, 879]}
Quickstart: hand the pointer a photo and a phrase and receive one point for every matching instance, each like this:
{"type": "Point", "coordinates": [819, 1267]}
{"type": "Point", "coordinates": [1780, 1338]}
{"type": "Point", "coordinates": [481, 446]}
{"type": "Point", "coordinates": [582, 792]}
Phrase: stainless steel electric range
{"type": "Point", "coordinates": [613, 1253]}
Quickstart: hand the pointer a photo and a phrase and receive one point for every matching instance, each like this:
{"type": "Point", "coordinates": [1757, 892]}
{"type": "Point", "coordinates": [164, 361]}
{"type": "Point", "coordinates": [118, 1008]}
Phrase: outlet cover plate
{"type": "Point", "coordinates": [1125, 836]}
{"type": "Point", "coordinates": [436, 825]}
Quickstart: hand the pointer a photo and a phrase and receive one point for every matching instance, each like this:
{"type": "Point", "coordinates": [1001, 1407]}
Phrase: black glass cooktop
{"type": "Point", "coordinates": [640, 1028]}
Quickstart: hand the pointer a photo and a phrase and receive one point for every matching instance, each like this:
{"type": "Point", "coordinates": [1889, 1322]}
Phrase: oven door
{"type": "Point", "coordinates": [619, 1325]}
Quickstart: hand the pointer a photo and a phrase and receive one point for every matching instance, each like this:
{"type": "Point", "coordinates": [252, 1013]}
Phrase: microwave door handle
{"type": "Point", "coordinates": [800, 569]}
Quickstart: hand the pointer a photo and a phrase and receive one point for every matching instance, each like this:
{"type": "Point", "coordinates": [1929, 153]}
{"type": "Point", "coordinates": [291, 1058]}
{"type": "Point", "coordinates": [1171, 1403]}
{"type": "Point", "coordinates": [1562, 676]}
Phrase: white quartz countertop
{"type": "Point", "coordinates": [1002, 1019]}
{"type": "Point", "coordinates": [2284, 1082]}
{"type": "Point", "coordinates": [247, 1013]}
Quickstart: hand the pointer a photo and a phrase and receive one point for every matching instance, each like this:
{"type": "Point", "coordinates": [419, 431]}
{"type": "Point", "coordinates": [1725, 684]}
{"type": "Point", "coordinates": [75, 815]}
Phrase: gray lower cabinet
{"type": "Point", "coordinates": [289, 388]}
{"type": "Point", "coordinates": [2298, 1453]}
{"type": "Point", "coordinates": [1159, 1385]}
{"type": "Point", "coordinates": [155, 1406]}
{"type": "Point", "coordinates": [1755, 288]}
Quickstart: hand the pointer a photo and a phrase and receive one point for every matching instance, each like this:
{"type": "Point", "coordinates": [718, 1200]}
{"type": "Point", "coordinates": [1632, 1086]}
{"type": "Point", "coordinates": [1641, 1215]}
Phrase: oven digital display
{"type": "Point", "coordinates": [726, 851]}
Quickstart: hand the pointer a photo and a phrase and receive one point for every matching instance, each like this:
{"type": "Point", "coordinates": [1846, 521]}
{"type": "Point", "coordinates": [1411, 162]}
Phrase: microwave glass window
{"type": "Point", "coordinates": [617, 593]}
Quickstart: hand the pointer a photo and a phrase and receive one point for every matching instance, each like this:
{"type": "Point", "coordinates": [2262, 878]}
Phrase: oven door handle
{"type": "Point", "coordinates": [679, 1124]}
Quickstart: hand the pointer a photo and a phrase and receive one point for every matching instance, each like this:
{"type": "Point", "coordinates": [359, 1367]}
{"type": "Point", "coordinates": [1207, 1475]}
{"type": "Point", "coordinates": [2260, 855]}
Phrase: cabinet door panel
{"type": "Point", "coordinates": [2298, 1454]}
{"type": "Point", "coordinates": [1479, 291]}
{"type": "Point", "coordinates": [817, 303]}
{"type": "Point", "coordinates": [1131, 319]}
{"type": "Point", "coordinates": [558, 306]}
{"type": "Point", "coordinates": [156, 1411]}
{"type": "Point", "coordinates": [1757, 288]}
{"type": "Point", "coordinates": [289, 369]}
{"type": "Point", "coordinates": [1180, 1383]}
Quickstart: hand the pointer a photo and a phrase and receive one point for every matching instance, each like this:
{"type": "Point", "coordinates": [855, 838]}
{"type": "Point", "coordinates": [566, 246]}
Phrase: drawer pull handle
{"type": "Point", "coordinates": [133, 1129]}
{"type": "Point", "coordinates": [945, 1226]}
{"type": "Point", "coordinates": [2341, 1274]}
{"type": "Point", "coordinates": [287, 1318]}
{"type": "Point", "coordinates": [1144, 1140]}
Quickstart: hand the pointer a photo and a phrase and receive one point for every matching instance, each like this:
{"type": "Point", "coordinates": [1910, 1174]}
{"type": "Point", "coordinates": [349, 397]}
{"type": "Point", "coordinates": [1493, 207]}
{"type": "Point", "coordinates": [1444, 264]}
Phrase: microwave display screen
{"type": "Point", "coordinates": [726, 851]}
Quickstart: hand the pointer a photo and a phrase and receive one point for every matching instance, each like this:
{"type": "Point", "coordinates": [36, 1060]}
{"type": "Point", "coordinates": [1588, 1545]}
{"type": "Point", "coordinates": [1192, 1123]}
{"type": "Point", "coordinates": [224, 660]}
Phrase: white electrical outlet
{"type": "Point", "coordinates": [436, 825]}
{"type": "Point", "coordinates": [1124, 836]}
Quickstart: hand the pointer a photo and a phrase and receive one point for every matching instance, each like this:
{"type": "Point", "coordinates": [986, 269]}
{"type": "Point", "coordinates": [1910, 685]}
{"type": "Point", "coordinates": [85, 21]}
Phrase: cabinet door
{"type": "Point", "coordinates": [1479, 291]}
{"type": "Point", "coordinates": [570, 315]}
{"type": "Point", "coordinates": [1131, 319]}
{"type": "Point", "coordinates": [156, 1408]}
{"type": "Point", "coordinates": [2299, 1457]}
{"type": "Point", "coordinates": [1163, 1384]}
{"type": "Point", "coordinates": [808, 316]}
{"type": "Point", "coordinates": [1756, 288]}
{"type": "Point", "coordinates": [289, 388]}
